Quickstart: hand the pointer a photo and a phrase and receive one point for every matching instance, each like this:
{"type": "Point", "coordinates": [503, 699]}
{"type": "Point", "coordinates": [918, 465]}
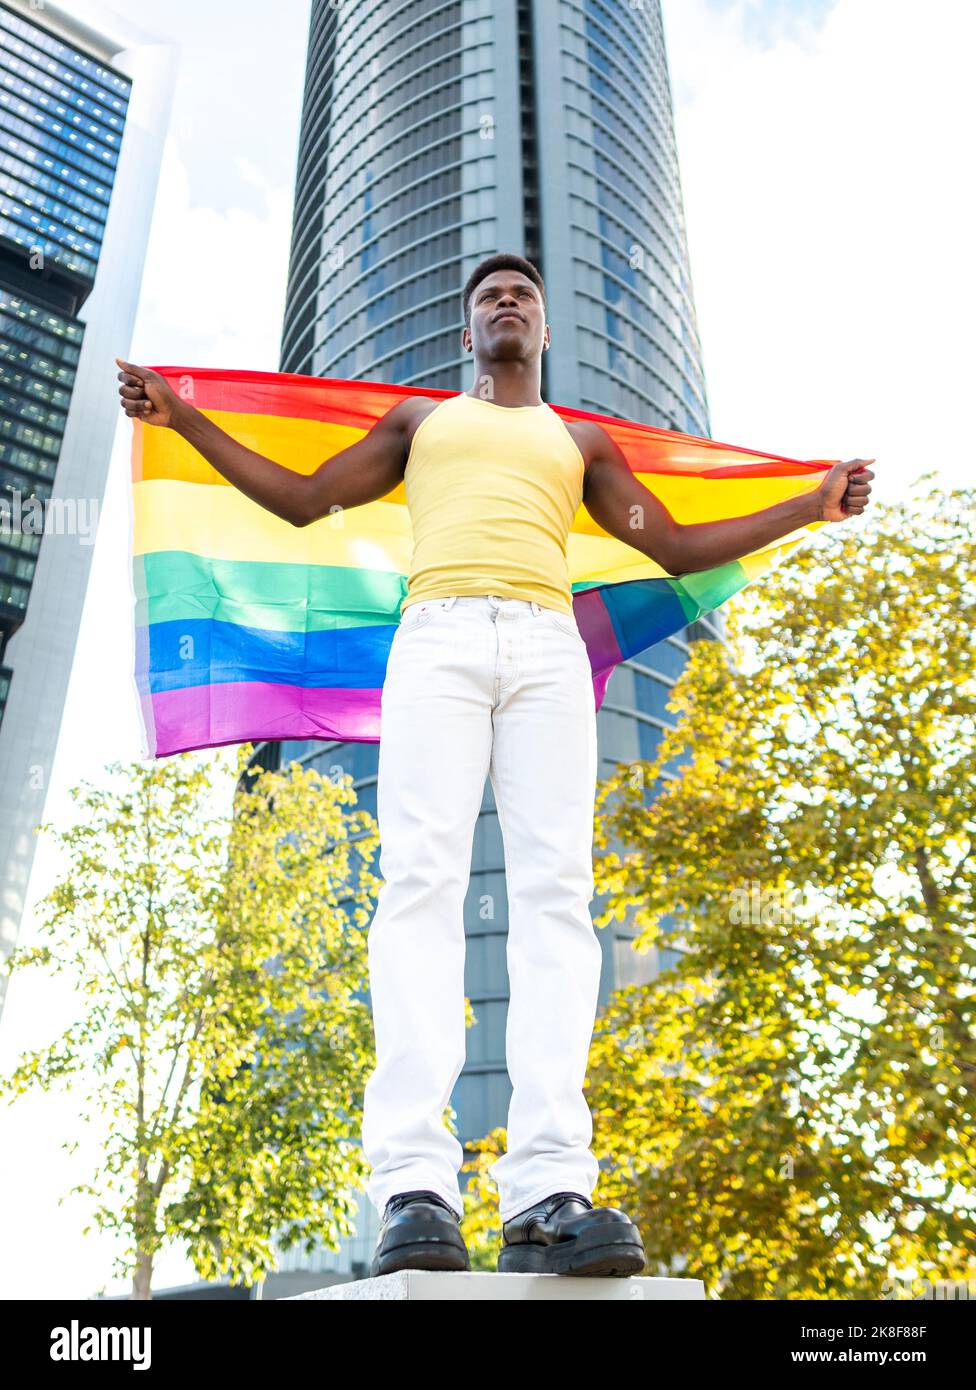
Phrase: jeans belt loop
{"type": "Point", "coordinates": [536, 608]}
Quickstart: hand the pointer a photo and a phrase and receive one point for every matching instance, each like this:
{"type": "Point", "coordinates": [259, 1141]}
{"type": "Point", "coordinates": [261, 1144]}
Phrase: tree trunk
{"type": "Point", "coordinates": [142, 1276]}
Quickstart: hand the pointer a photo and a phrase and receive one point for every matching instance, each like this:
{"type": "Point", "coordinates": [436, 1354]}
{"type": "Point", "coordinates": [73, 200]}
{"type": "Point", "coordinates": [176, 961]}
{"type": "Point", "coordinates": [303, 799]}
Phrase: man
{"type": "Point", "coordinates": [488, 676]}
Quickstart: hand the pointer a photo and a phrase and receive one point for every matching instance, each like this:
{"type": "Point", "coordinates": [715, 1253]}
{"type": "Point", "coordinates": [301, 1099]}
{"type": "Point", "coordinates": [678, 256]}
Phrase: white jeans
{"type": "Point", "coordinates": [475, 687]}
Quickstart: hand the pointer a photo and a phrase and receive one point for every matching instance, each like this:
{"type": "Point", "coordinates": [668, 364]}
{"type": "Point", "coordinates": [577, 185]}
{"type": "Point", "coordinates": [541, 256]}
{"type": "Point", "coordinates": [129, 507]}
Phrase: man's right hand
{"type": "Point", "coordinates": [147, 396]}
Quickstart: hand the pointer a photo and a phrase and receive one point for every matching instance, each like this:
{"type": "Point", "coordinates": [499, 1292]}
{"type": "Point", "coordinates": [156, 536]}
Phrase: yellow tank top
{"type": "Point", "coordinates": [492, 492]}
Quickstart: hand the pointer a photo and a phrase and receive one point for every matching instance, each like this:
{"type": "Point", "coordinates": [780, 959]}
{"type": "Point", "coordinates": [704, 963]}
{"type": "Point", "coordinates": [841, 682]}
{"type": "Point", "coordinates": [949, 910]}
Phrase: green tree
{"type": "Point", "coordinates": [222, 963]}
{"type": "Point", "coordinates": [788, 1110]}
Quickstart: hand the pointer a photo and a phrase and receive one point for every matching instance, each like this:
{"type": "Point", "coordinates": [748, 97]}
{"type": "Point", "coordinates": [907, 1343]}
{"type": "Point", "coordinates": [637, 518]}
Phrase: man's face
{"type": "Point", "coordinates": [508, 318]}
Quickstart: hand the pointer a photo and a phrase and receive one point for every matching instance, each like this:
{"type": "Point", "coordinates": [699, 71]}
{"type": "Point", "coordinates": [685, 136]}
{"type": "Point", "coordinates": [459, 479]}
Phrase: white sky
{"type": "Point", "coordinates": [823, 150]}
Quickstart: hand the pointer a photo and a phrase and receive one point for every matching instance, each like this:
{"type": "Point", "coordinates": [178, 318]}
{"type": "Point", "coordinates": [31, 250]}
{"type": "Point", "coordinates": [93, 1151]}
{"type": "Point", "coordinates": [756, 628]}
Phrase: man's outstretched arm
{"type": "Point", "coordinates": [627, 510]}
{"type": "Point", "coordinates": [364, 472]}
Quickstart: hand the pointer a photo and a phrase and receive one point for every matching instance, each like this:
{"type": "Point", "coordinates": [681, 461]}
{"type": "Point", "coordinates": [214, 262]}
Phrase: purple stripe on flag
{"type": "Point", "coordinates": [209, 716]}
{"type": "Point", "coordinates": [597, 631]}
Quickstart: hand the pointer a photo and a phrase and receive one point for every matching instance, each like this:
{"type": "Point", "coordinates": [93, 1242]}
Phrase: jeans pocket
{"type": "Point", "coordinates": [419, 614]}
{"type": "Point", "coordinates": [562, 622]}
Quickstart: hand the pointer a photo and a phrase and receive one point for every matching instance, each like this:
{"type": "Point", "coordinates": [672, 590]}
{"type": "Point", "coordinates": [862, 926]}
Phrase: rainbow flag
{"type": "Point", "coordinates": [248, 628]}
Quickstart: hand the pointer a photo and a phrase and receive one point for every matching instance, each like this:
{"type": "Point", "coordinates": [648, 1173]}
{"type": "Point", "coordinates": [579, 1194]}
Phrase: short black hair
{"type": "Point", "coordinates": [504, 260]}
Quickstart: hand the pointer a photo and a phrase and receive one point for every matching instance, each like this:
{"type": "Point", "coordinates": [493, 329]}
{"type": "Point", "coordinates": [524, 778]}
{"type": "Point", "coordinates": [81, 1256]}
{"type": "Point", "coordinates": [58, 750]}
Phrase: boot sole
{"type": "Point", "coordinates": [421, 1254]}
{"type": "Point", "coordinates": [592, 1256]}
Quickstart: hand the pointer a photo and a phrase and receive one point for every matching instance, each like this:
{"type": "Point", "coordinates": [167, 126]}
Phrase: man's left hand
{"type": "Point", "coordinates": [845, 490]}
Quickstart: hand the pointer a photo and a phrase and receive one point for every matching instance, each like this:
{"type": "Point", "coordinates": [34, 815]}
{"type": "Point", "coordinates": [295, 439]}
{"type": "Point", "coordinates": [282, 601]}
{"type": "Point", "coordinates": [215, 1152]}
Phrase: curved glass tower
{"type": "Point", "coordinates": [434, 135]}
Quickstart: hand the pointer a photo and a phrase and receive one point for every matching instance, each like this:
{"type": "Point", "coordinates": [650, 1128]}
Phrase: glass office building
{"type": "Point", "coordinates": [75, 209]}
{"type": "Point", "coordinates": [62, 114]}
{"type": "Point", "coordinates": [434, 135]}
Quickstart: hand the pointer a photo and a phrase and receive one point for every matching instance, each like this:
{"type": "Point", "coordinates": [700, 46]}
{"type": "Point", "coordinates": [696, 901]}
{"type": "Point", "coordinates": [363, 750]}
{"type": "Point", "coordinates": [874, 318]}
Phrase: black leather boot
{"type": "Point", "coordinates": [419, 1231]}
{"type": "Point", "coordinates": [566, 1234]}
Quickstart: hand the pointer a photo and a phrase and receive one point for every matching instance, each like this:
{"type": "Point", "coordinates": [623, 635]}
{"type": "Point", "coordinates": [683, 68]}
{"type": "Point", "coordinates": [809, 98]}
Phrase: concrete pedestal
{"type": "Point", "coordinates": [527, 1288]}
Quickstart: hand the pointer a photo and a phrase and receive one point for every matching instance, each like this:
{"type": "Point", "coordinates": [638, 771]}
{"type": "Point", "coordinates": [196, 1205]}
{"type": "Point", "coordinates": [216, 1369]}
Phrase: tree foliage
{"type": "Point", "coordinates": [224, 1032]}
{"type": "Point", "coordinates": [789, 1110]}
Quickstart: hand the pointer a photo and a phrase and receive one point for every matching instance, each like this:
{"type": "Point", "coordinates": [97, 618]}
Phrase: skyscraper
{"type": "Point", "coordinates": [83, 112]}
{"type": "Point", "coordinates": [434, 135]}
